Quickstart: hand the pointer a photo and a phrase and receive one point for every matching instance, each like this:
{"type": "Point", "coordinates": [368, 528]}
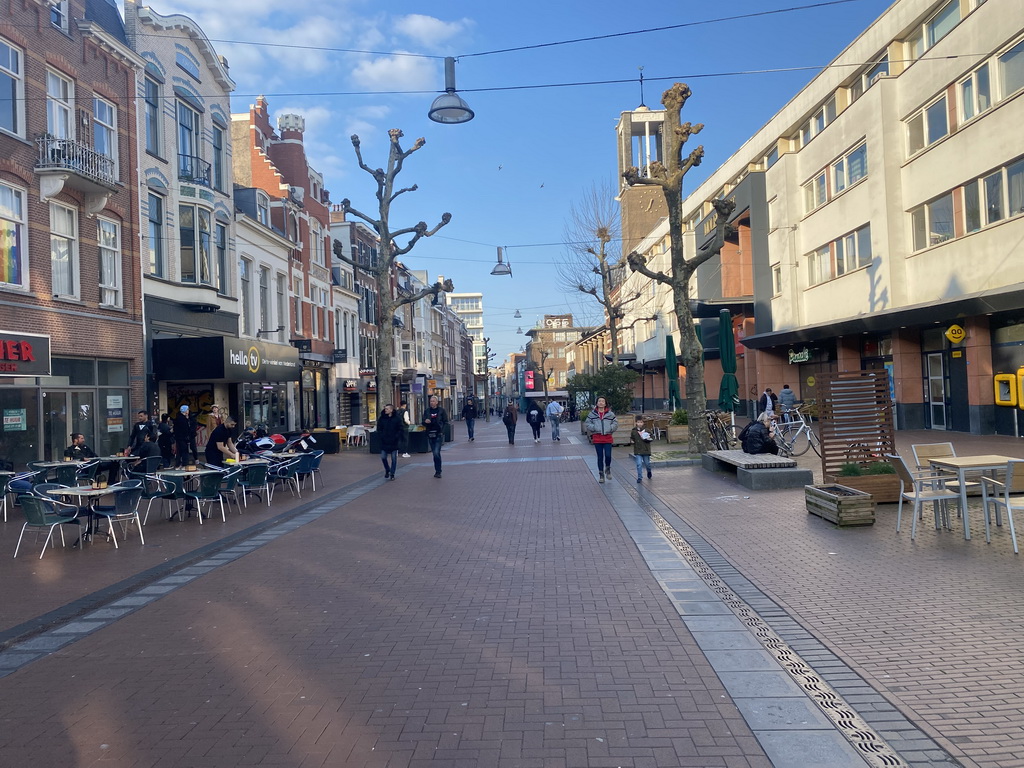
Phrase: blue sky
{"type": "Point", "coordinates": [510, 176]}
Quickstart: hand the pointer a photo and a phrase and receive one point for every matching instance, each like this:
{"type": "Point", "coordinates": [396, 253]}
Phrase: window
{"type": "Point", "coordinates": [220, 241]}
{"type": "Point", "coordinates": [155, 216]}
{"type": "Point", "coordinates": [932, 223]}
{"type": "Point", "coordinates": [316, 235]}
{"type": "Point", "coordinates": [189, 162]}
{"type": "Point", "coordinates": [152, 115]}
{"type": "Point", "coordinates": [108, 235]}
{"type": "Point", "coordinates": [770, 159]}
{"type": "Point", "coordinates": [13, 261]}
{"type": "Point", "coordinates": [942, 22]}
{"type": "Point", "coordinates": [817, 123]}
{"type": "Point", "coordinates": [850, 169]}
{"type": "Point", "coordinates": [265, 299]}
{"type": "Point", "coordinates": [815, 192]}
{"type": "Point", "coordinates": [819, 266]}
{"type": "Point", "coordinates": [217, 169]}
{"type": "Point", "coordinates": [1011, 70]}
{"type": "Point", "coordinates": [975, 93]}
{"type": "Point", "coordinates": [60, 101]}
{"type": "Point", "coordinates": [64, 249]}
{"type": "Point", "coordinates": [282, 305]}
{"type": "Point", "coordinates": [927, 126]}
{"type": "Point", "coordinates": [972, 207]}
{"type": "Point", "coordinates": [194, 226]}
{"type": "Point", "coordinates": [244, 279]}
{"type": "Point", "coordinates": [104, 128]}
{"type": "Point", "coordinates": [297, 303]}
{"type": "Point", "coordinates": [263, 209]}
{"type": "Point", "coordinates": [1015, 187]}
{"type": "Point", "coordinates": [853, 250]}
{"type": "Point", "coordinates": [12, 90]}
{"type": "Point", "coordinates": [59, 14]}
{"type": "Point", "coordinates": [993, 186]}
{"type": "Point", "coordinates": [776, 280]}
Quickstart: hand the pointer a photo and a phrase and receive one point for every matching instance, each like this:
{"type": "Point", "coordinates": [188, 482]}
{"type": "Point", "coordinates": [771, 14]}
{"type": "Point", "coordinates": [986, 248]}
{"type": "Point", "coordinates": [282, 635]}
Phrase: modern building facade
{"type": "Point", "coordinates": [878, 217]}
{"type": "Point", "coordinates": [470, 307]}
{"type": "Point", "coordinates": [70, 286]}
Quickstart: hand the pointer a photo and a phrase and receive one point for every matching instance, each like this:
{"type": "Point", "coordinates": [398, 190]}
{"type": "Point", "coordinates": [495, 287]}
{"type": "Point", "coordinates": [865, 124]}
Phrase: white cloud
{"type": "Point", "coordinates": [397, 73]}
{"type": "Point", "coordinates": [430, 31]}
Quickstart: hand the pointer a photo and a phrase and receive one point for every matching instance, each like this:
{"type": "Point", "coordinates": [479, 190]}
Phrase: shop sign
{"type": "Point", "coordinates": [431, 383]}
{"type": "Point", "coordinates": [955, 333]}
{"type": "Point", "coordinates": [452, 382]}
{"type": "Point", "coordinates": [371, 386]}
{"type": "Point", "coordinates": [15, 420]}
{"type": "Point", "coordinates": [405, 388]}
{"type": "Point", "coordinates": [24, 354]}
{"type": "Point", "coordinates": [257, 361]}
{"type": "Point", "coordinates": [367, 371]}
{"type": "Point", "coordinates": [800, 357]}
{"type": "Point", "coordinates": [340, 355]}
{"type": "Point", "coordinates": [303, 345]}
{"type": "Point", "coordinates": [115, 418]}
{"type": "Point", "coordinates": [351, 385]}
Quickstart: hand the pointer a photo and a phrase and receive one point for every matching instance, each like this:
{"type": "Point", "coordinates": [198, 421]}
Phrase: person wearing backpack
{"type": "Point", "coordinates": [509, 419]}
{"type": "Point", "coordinates": [759, 436]}
{"type": "Point", "coordinates": [535, 418]}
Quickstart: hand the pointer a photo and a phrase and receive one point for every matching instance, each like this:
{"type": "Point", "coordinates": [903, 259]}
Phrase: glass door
{"type": "Point", "coordinates": [936, 389]}
{"type": "Point", "coordinates": [63, 414]}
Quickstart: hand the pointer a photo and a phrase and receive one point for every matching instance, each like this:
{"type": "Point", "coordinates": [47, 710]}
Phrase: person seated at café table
{"type": "Point", "coordinates": [221, 444]}
{"type": "Point", "coordinates": [79, 451]}
{"type": "Point", "coordinates": [145, 449]}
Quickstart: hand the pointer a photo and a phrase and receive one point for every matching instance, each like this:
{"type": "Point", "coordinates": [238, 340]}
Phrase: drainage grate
{"type": "Point", "coordinates": [852, 726]}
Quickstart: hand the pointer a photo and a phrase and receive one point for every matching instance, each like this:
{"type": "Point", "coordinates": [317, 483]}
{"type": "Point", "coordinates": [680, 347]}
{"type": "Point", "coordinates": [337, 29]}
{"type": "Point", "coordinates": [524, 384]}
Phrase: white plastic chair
{"type": "Point", "coordinates": [921, 487]}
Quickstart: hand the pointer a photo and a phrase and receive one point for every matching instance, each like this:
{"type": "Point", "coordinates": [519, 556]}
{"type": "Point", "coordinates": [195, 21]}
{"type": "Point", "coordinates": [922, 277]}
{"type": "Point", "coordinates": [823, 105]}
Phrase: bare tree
{"type": "Point", "coordinates": [670, 178]}
{"type": "Point", "coordinates": [594, 265]}
{"type": "Point", "coordinates": [387, 301]}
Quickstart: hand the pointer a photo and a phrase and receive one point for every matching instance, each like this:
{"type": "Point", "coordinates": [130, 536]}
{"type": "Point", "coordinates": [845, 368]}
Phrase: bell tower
{"type": "Point", "coordinates": [640, 143]}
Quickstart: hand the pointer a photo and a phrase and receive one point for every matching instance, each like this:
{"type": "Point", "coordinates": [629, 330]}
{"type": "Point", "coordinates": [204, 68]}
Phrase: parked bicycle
{"type": "Point", "coordinates": [723, 432]}
{"type": "Point", "coordinates": [793, 434]}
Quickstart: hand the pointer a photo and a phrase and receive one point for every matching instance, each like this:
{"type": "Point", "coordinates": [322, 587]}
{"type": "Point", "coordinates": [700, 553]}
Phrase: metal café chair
{"type": "Point", "coordinates": [253, 481]}
{"type": "Point", "coordinates": [124, 510]}
{"type": "Point", "coordinates": [921, 487]}
{"type": "Point", "coordinates": [1005, 495]}
{"type": "Point", "coordinates": [45, 515]}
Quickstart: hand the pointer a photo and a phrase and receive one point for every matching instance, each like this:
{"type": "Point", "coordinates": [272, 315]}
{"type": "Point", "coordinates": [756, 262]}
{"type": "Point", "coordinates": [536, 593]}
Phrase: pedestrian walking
{"type": "Point", "coordinates": [469, 414]}
{"type": "Point", "coordinates": [390, 428]}
{"type": "Point", "coordinates": [640, 439]}
{"type": "Point", "coordinates": [554, 414]}
{"type": "Point", "coordinates": [509, 419]}
{"type": "Point", "coordinates": [601, 423]}
{"type": "Point", "coordinates": [787, 399]}
{"type": "Point", "coordinates": [768, 401]}
{"type": "Point", "coordinates": [403, 440]}
{"type": "Point", "coordinates": [435, 420]}
{"type": "Point", "coordinates": [535, 418]}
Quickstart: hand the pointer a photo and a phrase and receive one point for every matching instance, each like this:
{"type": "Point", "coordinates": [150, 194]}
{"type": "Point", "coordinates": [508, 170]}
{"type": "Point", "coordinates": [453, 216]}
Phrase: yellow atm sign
{"type": "Point", "coordinates": [955, 334]}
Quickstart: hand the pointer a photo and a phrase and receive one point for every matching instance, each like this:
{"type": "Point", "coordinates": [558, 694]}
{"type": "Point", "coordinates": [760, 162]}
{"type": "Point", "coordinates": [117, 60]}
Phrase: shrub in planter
{"type": "Point", "coordinates": [680, 418]}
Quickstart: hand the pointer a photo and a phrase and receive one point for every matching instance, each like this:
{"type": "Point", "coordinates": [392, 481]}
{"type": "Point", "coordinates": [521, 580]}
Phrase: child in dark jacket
{"type": "Point", "coordinates": [640, 439]}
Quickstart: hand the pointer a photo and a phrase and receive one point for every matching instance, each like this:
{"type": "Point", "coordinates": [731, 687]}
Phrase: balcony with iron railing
{"type": "Point", "coordinates": [194, 170]}
{"type": "Point", "coordinates": [70, 163]}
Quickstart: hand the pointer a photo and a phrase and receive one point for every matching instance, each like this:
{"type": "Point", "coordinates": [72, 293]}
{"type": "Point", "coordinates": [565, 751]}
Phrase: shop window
{"type": "Point", "coordinates": [78, 371]}
{"type": "Point", "coordinates": [112, 373]}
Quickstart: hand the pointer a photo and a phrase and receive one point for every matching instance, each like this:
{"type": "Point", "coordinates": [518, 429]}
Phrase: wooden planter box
{"type": "Point", "coordinates": [884, 488]}
{"type": "Point", "coordinates": [677, 433]}
{"type": "Point", "coordinates": [840, 505]}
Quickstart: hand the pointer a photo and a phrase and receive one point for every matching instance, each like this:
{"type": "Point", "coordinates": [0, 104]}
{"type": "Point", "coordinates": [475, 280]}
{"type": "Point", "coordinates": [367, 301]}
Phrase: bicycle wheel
{"type": "Point", "coordinates": [814, 441]}
{"type": "Point", "coordinates": [720, 437]}
{"type": "Point", "coordinates": [800, 443]}
{"type": "Point", "coordinates": [732, 434]}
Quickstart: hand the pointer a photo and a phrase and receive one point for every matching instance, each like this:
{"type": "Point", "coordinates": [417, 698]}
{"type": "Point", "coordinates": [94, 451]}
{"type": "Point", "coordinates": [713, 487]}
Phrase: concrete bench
{"type": "Point", "coordinates": [760, 472]}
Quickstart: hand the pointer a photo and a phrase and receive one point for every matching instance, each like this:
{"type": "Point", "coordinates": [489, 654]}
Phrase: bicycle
{"type": "Point", "coordinates": [723, 433]}
{"type": "Point", "coordinates": [795, 436]}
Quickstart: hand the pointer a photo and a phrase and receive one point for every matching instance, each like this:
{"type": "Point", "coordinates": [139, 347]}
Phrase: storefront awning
{"type": "Point", "coordinates": [224, 359]}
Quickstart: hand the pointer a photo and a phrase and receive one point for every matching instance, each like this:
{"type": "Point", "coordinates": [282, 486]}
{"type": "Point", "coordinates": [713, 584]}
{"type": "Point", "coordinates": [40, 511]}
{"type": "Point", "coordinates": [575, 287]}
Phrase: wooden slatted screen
{"type": "Point", "coordinates": [855, 419]}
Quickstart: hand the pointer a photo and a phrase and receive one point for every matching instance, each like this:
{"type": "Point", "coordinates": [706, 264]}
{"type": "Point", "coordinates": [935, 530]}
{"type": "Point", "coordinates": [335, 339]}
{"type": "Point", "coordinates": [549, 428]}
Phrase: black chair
{"type": "Point", "coordinates": [45, 515]}
{"type": "Point", "coordinates": [124, 510]}
{"type": "Point", "coordinates": [255, 479]}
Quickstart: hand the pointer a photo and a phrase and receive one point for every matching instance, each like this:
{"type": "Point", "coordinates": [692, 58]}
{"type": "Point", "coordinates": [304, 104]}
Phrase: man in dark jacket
{"type": "Point", "coordinates": [78, 450]}
{"type": "Point", "coordinates": [435, 421]}
{"type": "Point", "coordinates": [469, 414]}
{"type": "Point", "coordinates": [759, 436]}
{"type": "Point", "coordinates": [141, 429]}
{"type": "Point", "coordinates": [185, 438]}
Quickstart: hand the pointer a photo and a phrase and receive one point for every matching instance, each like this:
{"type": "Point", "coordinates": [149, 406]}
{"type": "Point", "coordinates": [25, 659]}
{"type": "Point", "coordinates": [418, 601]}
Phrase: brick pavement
{"type": "Point", "coordinates": [499, 616]}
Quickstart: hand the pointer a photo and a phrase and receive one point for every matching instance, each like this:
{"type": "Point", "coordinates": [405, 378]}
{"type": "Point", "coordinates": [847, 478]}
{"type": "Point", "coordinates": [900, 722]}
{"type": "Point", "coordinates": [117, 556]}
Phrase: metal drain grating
{"type": "Point", "coordinates": [854, 728]}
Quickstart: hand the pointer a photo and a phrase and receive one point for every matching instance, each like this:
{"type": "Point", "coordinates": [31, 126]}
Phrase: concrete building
{"type": "Point", "coordinates": [546, 366]}
{"type": "Point", "coordinates": [470, 307]}
{"type": "Point", "coordinates": [877, 219]}
{"type": "Point", "coordinates": [70, 284]}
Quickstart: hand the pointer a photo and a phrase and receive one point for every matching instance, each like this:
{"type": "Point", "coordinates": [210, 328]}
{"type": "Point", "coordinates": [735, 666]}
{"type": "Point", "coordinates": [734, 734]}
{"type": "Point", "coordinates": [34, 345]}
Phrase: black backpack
{"type": "Point", "coordinates": [533, 416]}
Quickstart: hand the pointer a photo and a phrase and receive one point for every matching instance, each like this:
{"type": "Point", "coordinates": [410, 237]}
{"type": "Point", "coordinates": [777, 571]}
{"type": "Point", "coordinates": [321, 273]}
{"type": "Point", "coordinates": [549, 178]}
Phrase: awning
{"type": "Point", "coordinates": [550, 394]}
{"type": "Point", "coordinates": [224, 359]}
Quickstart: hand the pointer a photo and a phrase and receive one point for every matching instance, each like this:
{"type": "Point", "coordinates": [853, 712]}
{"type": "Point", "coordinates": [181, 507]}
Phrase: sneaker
{"type": "Point", "coordinates": [600, 477]}
{"type": "Point", "coordinates": [648, 474]}
{"type": "Point", "coordinates": [391, 477]}
{"type": "Point", "coordinates": [437, 474]}
{"type": "Point", "coordinates": [405, 455]}
{"type": "Point", "coordinates": [536, 440]}
{"type": "Point", "coordinates": [639, 480]}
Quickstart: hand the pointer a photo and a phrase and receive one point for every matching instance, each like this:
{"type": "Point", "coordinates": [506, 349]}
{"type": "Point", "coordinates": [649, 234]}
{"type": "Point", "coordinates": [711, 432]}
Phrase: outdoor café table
{"type": "Point", "coordinates": [119, 460]}
{"type": "Point", "coordinates": [189, 476]}
{"type": "Point", "coordinates": [964, 464]}
{"type": "Point", "coordinates": [86, 494]}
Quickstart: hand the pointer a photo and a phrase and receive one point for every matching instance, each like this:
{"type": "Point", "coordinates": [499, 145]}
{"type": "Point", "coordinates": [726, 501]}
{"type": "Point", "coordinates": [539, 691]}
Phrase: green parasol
{"type": "Point", "coordinates": [675, 400]}
{"type": "Point", "coordinates": [729, 391]}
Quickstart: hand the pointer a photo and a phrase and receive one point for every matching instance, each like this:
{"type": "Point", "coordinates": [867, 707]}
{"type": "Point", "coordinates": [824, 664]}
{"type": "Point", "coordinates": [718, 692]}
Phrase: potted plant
{"type": "Point", "coordinates": [878, 478]}
{"type": "Point", "coordinates": [678, 430]}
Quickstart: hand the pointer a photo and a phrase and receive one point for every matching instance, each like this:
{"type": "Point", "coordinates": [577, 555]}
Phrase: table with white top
{"type": "Point", "coordinates": [974, 464]}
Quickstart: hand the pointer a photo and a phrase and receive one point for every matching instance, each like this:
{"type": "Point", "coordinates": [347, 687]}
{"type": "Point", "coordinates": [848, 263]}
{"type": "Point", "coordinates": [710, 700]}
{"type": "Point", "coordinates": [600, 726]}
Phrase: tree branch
{"type": "Point", "coordinates": [413, 188]}
{"type": "Point", "coordinates": [421, 231]}
{"type": "Point", "coordinates": [431, 290]}
{"type": "Point", "coordinates": [637, 263]}
{"type": "Point", "coordinates": [346, 206]}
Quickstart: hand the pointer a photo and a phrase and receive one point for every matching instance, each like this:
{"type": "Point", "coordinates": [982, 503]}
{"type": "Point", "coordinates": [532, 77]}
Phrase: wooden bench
{"type": "Point", "coordinates": [760, 472]}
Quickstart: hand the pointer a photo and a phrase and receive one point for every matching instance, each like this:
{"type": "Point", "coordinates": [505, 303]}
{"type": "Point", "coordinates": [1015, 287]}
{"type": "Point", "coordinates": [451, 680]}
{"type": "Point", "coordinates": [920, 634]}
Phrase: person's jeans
{"type": "Point", "coordinates": [604, 455]}
{"type": "Point", "coordinates": [642, 461]}
{"type": "Point", "coordinates": [436, 440]}
{"type": "Point", "coordinates": [536, 431]}
{"type": "Point", "coordinates": [389, 469]}
{"type": "Point", "coordinates": [511, 428]}
{"type": "Point", "coordinates": [554, 427]}
{"type": "Point", "coordinates": [469, 427]}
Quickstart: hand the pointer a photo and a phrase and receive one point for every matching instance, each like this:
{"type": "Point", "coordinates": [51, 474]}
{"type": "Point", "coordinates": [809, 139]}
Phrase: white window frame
{"type": "Point", "coordinates": [815, 192]}
{"type": "Point", "coordinates": [68, 286]}
{"type": "Point", "coordinates": [819, 266]}
{"type": "Point", "coordinates": [318, 250]}
{"type": "Point", "coordinates": [152, 115]}
{"type": "Point", "coordinates": [972, 102]}
{"type": "Point", "coordinates": [776, 280]}
{"type": "Point", "coordinates": [105, 125]}
{"type": "Point", "coordinates": [264, 302]}
{"type": "Point", "coordinates": [59, 14]}
{"type": "Point", "coordinates": [108, 238]}
{"type": "Point", "coordinates": [220, 257]}
{"type": "Point", "coordinates": [60, 105]}
{"type": "Point", "coordinates": [841, 169]}
{"type": "Point", "coordinates": [281, 281]}
{"type": "Point", "coordinates": [263, 209]}
{"type": "Point", "coordinates": [297, 302]}
{"type": "Point", "coordinates": [14, 234]}
{"type": "Point", "coordinates": [157, 255]}
{"type": "Point", "coordinates": [924, 215]}
{"type": "Point", "coordinates": [13, 68]}
{"type": "Point", "coordinates": [853, 251]}
{"type": "Point", "coordinates": [919, 136]}
{"type": "Point", "coordinates": [245, 294]}
{"type": "Point", "coordinates": [1017, 51]}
